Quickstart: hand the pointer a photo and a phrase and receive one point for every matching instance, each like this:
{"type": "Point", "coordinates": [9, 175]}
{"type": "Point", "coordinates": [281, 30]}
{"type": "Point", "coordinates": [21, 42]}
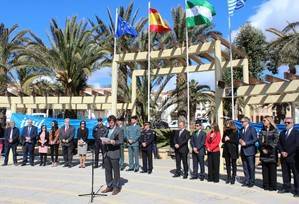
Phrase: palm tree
{"type": "Point", "coordinates": [285, 49]}
{"type": "Point", "coordinates": [10, 42]}
{"type": "Point", "coordinates": [72, 56]}
{"type": "Point", "coordinates": [200, 94]}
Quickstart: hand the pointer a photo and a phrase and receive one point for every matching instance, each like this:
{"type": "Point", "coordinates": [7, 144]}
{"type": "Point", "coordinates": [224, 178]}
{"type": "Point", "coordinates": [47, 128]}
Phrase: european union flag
{"type": "Point", "coordinates": [124, 28]}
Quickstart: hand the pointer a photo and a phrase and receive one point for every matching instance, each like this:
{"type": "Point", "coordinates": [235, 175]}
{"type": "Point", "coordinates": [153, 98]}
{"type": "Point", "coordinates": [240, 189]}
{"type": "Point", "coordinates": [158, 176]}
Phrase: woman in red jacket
{"type": "Point", "coordinates": [212, 145]}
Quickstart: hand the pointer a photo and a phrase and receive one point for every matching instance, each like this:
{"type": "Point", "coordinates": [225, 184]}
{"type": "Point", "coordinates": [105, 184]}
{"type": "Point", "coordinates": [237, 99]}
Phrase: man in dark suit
{"type": "Point", "coordinates": [287, 144]}
{"type": "Point", "coordinates": [112, 146]}
{"type": "Point", "coordinates": [181, 138]}
{"type": "Point", "coordinates": [247, 140]}
{"type": "Point", "coordinates": [146, 146]}
{"type": "Point", "coordinates": [66, 136]}
{"type": "Point", "coordinates": [29, 136]}
{"type": "Point", "coordinates": [11, 137]}
{"type": "Point", "coordinates": [198, 151]}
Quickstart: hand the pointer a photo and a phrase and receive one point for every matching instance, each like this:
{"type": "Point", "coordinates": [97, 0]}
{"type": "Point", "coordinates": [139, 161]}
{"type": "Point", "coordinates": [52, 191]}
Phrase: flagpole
{"type": "Point", "coordinates": [231, 67]}
{"type": "Point", "coordinates": [187, 67]}
{"type": "Point", "coordinates": [114, 82]}
{"type": "Point", "coordinates": [115, 29]}
{"type": "Point", "coordinates": [149, 66]}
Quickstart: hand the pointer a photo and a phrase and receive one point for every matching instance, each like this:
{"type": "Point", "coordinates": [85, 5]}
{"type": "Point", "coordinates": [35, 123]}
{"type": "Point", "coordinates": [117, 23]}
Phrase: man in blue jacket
{"type": "Point", "coordinates": [248, 138]}
{"type": "Point", "coordinates": [133, 135]}
{"type": "Point", "coordinates": [198, 140]}
{"type": "Point", "coordinates": [29, 136]}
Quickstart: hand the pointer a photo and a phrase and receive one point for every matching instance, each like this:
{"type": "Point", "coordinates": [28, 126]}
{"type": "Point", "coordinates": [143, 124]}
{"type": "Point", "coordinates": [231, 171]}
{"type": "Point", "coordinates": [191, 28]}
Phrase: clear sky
{"type": "Point", "coordinates": [36, 15]}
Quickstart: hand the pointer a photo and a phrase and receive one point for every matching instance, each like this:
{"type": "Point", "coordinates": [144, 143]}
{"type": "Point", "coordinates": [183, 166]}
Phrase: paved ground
{"type": "Point", "coordinates": [62, 185]}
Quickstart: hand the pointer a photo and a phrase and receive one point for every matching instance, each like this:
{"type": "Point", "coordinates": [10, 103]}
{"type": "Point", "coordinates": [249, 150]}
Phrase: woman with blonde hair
{"type": "Point", "coordinates": [268, 138]}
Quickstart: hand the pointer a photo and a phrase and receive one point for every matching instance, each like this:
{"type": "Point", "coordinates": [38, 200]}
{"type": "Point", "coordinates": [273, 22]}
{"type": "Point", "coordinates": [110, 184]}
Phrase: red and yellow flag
{"type": "Point", "coordinates": [157, 24]}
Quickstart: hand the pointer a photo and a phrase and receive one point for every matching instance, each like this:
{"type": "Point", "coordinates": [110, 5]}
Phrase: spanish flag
{"type": "Point", "coordinates": [157, 24]}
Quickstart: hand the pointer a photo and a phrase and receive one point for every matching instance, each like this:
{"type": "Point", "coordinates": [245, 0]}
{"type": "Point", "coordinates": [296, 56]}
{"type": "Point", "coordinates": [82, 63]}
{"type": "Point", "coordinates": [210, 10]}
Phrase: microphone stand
{"type": "Point", "coordinates": [93, 194]}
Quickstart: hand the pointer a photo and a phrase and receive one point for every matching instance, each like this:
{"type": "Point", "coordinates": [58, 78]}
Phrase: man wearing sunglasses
{"type": "Point", "coordinates": [287, 144]}
{"type": "Point", "coordinates": [247, 141]}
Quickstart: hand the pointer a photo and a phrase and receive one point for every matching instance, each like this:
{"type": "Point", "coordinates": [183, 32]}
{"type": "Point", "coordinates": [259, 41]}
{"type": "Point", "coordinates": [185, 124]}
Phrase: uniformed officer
{"type": "Point", "coordinates": [132, 136]}
{"type": "Point", "coordinates": [146, 143]}
{"type": "Point", "coordinates": [100, 130]}
{"type": "Point", "coordinates": [121, 125]}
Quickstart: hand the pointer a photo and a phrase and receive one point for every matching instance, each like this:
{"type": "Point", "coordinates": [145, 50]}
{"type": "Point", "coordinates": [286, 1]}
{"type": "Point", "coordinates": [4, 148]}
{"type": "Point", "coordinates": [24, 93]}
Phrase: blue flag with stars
{"type": "Point", "coordinates": [124, 28]}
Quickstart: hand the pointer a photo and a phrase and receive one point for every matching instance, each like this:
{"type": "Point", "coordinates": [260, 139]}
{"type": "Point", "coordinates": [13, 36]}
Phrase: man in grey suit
{"type": "Point", "coordinates": [111, 156]}
{"type": "Point", "coordinates": [28, 138]}
{"type": "Point", "coordinates": [198, 140]}
{"type": "Point", "coordinates": [66, 136]}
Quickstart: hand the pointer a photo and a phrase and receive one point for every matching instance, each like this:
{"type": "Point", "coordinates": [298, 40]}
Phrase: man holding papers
{"type": "Point", "coordinates": [112, 144]}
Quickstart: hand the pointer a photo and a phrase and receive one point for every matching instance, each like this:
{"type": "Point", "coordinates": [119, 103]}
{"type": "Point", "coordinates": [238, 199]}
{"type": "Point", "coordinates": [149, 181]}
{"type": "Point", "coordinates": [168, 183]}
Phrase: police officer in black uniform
{"type": "Point", "coordinates": [146, 143]}
{"type": "Point", "coordinates": [100, 130]}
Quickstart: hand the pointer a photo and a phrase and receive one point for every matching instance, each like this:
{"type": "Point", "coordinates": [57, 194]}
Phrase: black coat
{"type": "Point", "coordinates": [46, 138]}
{"type": "Point", "coordinates": [268, 140]}
{"type": "Point", "coordinates": [230, 147]}
{"type": "Point", "coordinates": [147, 137]}
{"type": "Point", "coordinates": [199, 142]}
{"type": "Point", "coordinates": [182, 141]}
{"type": "Point", "coordinates": [289, 145]}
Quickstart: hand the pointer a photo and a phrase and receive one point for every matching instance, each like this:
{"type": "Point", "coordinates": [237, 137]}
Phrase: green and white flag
{"type": "Point", "coordinates": [199, 12]}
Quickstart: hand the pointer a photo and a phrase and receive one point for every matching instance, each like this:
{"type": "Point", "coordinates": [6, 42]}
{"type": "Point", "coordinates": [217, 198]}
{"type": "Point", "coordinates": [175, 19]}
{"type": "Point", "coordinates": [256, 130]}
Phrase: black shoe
{"type": "Point", "coordinates": [185, 176]}
{"type": "Point", "coordinates": [65, 165]}
{"type": "Point", "coordinates": [283, 191]}
{"type": "Point", "coordinates": [193, 178]}
{"type": "Point", "coordinates": [70, 166]}
{"type": "Point", "coordinates": [142, 172]}
{"type": "Point", "coordinates": [136, 170]}
{"type": "Point", "coordinates": [31, 164]}
{"type": "Point", "coordinates": [23, 164]}
{"type": "Point", "coordinates": [233, 180]}
{"type": "Point", "coordinates": [227, 180]}
{"type": "Point", "coordinates": [176, 175]}
{"type": "Point", "coordinates": [16, 164]}
{"type": "Point", "coordinates": [202, 178]}
{"type": "Point", "coordinates": [130, 170]}
{"type": "Point", "coordinates": [296, 195]}
{"type": "Point", "coordinates": [149, 172]}
{"type": "Point", "coordinates": [122, 168]}
{"type": "Point", "coordinates": [250, 185]}
{"type": "Point", "coordinates": [245, 185]}
{"type": "Point", "coordinates": [4, 164]}
{"type": "Point", "coordinates": [96, 166]}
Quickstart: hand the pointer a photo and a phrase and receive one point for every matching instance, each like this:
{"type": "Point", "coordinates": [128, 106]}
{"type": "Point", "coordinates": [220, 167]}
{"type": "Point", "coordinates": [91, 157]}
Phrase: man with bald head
{"type": "Point", "coordinates": [287, 144]}
{"type": "Point", "coordinates": [28, 138]}
{"type": "Point", "coordinates": [66, 136]}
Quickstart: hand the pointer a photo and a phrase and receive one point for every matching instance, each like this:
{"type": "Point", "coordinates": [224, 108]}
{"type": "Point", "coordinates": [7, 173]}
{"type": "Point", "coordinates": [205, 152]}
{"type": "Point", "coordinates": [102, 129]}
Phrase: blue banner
{"type": "Point", "coordinates": [20, 120]}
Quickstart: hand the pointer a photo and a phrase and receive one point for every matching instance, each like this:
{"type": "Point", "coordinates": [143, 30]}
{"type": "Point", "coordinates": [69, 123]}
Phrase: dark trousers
{"type": "Point", "coordinates": [28, 149]}
{"type": "Point", "coordinates": [54, 152]}
{"type": "Point", "coordinates": [67, 152]}
{"type": "Point", "coordinates": [231, 167]}
{"type": "Point", "coordinates": [155, 151]}
{"type": "Point", "coordinates": [9, 146]}
{"type": "Point", "coordinates": [147, 160]}
{"type": "Point", "coordinates": [198, 159]}
{"type": "Point", "coordinates": [179, 156]}
{"type": "Point", "coordinates": [289, 168]}
{"type": "Point", "coordinates": [43, 158]}
{"type": "Point", "coordinates": [269, 170]}
{"type": "Point", "coordinates": [213, 166]}
{"type": "Point", "coordinates": [249, 168]}
{"type": "Point", "coordinates": [98, 147]}
{"type": "Point", "coordinates": [112, 165]}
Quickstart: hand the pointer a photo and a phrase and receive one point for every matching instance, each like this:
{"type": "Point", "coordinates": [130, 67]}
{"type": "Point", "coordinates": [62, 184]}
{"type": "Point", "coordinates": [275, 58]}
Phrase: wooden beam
{"type": "Point", "coordinates": [164, 54]}
{"type": "Point", "coordinates": [290, 76]}
{"type": "Point", "coordinates": [266, 89]}
{"type": "Point", "coordinates": [273, 79]}
{"type": "Point", "coordinates": [270, 99]}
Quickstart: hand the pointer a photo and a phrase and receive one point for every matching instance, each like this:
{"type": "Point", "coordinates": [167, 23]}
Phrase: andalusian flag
{"type": "Point", "coordinates": [157, 24]}
{"type": "Point", "coordinates": [199, 12]}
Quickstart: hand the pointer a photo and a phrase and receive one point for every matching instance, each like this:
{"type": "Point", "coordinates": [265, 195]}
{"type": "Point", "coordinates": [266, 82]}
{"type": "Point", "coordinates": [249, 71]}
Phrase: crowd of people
{"type": "Point", "coordinates": [110, 141]}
